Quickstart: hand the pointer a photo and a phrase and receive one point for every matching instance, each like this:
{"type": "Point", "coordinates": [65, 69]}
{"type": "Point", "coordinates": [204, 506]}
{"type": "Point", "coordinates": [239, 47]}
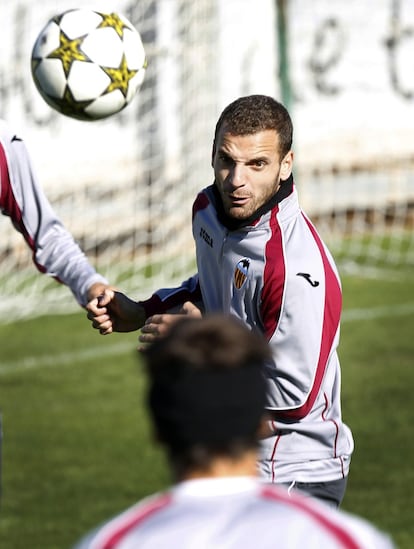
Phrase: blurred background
{"type": "Point", "coordinates": [124, 186]}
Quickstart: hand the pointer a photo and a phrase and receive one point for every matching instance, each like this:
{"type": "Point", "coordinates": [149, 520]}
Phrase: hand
{"type": "Point", "coordinates": [113, 311]}
{"type": "Point", "coordinates": [157, 326]}
{"type": "Point", "coordinates": [97, 289]}
{"type": "Point", "coordinates": [267, 427]}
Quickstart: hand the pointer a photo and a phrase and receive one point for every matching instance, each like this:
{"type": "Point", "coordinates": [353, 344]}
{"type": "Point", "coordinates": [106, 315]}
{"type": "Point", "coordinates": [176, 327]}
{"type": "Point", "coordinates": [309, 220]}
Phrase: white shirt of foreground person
{"type": "Point", "coordinates": [233, 513]}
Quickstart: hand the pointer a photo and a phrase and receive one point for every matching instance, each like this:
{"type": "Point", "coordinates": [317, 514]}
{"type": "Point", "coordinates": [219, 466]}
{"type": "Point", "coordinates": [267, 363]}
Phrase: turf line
{"type": "Point", "coordinates": [62, 359]}
{"type": "Point", "coordinates": [58, 360]}
{"type": "Point", "coordinates": [350, 315]}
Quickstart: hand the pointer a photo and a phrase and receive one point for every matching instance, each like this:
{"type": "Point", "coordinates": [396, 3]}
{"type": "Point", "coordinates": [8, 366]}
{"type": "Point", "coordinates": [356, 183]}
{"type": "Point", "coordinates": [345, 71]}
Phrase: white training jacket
{"type": "Point", "coordinates": [21, 198]}
{"type": "Point", "coordinates": [275, 273]}
{"type": "Point", "coordinates": [233, 513]}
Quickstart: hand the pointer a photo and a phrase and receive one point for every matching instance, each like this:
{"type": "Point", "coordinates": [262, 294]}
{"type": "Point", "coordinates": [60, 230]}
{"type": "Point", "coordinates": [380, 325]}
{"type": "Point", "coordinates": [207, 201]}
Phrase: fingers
{"type": "Point", "coordinates": [191, 310]}
{"type": "Point", "coordinates": [99, 302]}
{"type": "Point", "coordinates": [97, 312]}
{"type": "Point", "coordinates": [106, 297]}
{"type": "Point", "coordinates": [94, 309]}
{"type": "Point", "coordinates": [104, 324]}
{"type": "Point", "coordinates": [97, 289]}
{"type": "Point", "coordinates": [156, 326]}
{"type": "Point", "coordinates": [101, 322]}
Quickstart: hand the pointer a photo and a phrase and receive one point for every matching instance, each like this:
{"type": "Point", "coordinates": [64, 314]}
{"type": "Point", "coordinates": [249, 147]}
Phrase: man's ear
{"type": "Point", "coordinates": [286, 166]}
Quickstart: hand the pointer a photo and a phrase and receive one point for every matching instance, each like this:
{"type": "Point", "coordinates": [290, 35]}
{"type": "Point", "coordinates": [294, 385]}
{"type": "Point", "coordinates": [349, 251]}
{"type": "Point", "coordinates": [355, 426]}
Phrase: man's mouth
{"type": "Point", "coordinates": [238, 200]}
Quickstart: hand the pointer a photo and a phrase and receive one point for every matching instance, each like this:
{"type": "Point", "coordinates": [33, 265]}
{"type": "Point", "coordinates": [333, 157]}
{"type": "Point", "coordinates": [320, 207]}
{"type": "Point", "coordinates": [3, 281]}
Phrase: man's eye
{"type": "Point", "coordinates": [259, 163]}
{"type": "Point", "coordinates": [224, 159]}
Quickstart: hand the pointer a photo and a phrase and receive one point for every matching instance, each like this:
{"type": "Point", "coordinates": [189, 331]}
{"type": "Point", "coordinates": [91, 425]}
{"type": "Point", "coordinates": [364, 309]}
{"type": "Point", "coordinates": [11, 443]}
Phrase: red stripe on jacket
{"type": "Point", "coordinates": [11, 208]}
{"type": "Point", "coordinates": [273, 287]}
{"type": "Point", "coordinates": [201, 202]}
{"type": "Point", "coordinates": [336, 530]}
{"type": "Point", "coordinates": [134, 519]}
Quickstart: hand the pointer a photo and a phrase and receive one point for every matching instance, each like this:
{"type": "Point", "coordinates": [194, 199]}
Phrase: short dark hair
{"type": "Point", "coordinates": [253, 113]}
{"type": "Point", "coordinates": [207, 389]}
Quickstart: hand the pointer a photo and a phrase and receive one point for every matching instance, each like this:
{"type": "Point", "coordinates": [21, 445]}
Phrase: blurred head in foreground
{"type": "Point", "coordinates": [207, 393]}
{"type": "Point", "coordinates": [206, 399]}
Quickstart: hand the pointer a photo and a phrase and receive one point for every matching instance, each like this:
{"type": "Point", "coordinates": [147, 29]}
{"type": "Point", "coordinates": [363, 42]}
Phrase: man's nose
{"type": "Point", "coordinates": [238, 175]}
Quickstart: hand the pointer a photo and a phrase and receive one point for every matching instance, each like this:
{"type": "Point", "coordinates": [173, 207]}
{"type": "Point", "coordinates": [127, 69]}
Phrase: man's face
{"type": "Point", "coordinates": [248, 170]}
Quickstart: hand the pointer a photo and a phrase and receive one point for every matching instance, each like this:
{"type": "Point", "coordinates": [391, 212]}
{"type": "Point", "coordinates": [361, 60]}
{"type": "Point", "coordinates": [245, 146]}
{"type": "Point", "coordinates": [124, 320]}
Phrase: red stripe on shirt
{"type": "Point", "coordinates": [332, 421]}
{"type": "Point", "coordinates": [273, 277]}
{"type": "Point", "coordinates": [200, 203]}
{"type": "Point", "coordinates": [8, 201]}
{"type": "Point", "coordinates": [121, 528]}
{"type": "Point", "coordinates": [332, 314]}
{"type": "Point", "coordinates": [340, 534]}
{"type": "Point", "coordinates": [10, 207]}
{"type": "Point", "coordinates": [272, 457]}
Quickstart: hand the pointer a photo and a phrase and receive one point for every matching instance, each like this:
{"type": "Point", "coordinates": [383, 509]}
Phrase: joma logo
{"type": "Point", "coordinates": [206, 237]}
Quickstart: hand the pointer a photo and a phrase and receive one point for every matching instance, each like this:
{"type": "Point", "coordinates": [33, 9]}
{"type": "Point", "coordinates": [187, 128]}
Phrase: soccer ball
{"type": "Point", "coordinates": [87, 64]}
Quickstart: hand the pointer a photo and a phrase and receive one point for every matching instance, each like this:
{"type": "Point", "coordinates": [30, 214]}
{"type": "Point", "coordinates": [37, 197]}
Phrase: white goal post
{"type": "Point", "coordinates": [124, 186]}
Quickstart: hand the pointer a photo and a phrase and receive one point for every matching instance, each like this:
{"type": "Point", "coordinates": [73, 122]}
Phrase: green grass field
{"type": "Point", "coordinates": [77, 446]}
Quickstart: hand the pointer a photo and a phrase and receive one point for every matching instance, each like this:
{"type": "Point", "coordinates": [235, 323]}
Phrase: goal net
{"type": "Point", "coordinates": [351, 69]}
{"type": "Point", "coordinates": [124, 186]}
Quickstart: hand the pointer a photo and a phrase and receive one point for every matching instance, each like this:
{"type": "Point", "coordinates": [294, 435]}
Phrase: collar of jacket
{"type": "Point", "coordinates": [231, 224]}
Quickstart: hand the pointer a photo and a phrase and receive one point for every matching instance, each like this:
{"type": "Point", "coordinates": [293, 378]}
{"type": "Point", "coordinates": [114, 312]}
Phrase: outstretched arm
{"type": "Point", "coordinates": [55, 252]}
{"type": "Point", "coordinates": [115, 312]}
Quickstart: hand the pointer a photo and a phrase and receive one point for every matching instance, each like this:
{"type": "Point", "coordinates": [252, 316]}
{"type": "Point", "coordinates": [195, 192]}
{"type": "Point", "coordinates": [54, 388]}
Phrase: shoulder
{"type": "Point", "coordinates": [336, 528]}
{"type": "Point", "coordinates": [8, 134]}
{"type": "Point", "coordinates": [120, 526]}
{"type": "Point", "coordinates": [203, 200]}
{"type": "Point", "coordinates": [12, 144]}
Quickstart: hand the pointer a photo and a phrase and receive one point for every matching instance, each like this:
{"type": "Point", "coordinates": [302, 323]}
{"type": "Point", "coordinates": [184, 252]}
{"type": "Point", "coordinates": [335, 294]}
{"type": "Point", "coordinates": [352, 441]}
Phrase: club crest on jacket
{"type": "Point", "coordinates": [240, 273]}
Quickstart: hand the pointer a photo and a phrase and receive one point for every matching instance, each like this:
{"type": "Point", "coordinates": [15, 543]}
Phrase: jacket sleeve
{"type": "Point", "coordinates": [171, 299]}
{"type": "Point", "coordinates": [55, 252]}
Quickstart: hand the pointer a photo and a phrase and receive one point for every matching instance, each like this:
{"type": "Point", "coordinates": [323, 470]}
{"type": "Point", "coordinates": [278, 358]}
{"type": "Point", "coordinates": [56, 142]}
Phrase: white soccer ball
{"type": "Point", "coordinates": [87, 64]}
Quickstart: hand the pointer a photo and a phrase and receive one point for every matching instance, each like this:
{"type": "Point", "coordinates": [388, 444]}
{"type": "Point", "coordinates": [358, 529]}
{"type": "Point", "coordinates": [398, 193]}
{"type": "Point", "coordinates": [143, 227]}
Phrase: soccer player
{"type": "Point", "coordinates": [54, 250]}
{"type": "Point", "coordinates": [260, 258]}
{"type": "Point", "coordinates": [206, 395]}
